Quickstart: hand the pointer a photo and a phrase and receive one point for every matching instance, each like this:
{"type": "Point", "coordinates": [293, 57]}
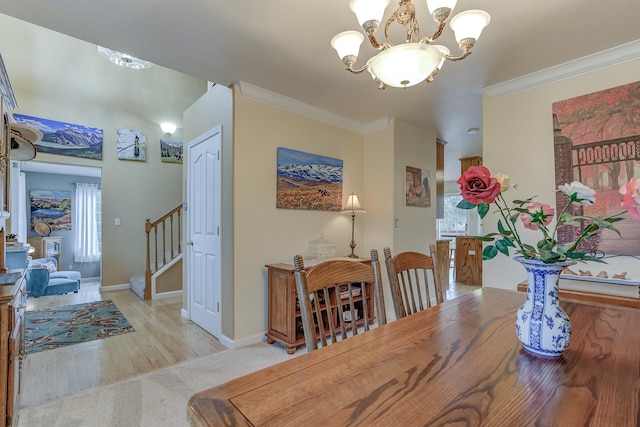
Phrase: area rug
{"type": "Point", "coordinates": [73, 324]}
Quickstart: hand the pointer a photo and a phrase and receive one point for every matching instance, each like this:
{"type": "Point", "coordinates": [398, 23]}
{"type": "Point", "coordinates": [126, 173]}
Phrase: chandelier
{"type": "Point", "coordinates": [417, 59]}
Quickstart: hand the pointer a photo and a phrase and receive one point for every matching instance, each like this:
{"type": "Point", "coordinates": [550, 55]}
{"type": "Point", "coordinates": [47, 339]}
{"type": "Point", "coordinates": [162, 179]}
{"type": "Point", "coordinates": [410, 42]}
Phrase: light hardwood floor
{"type": "Point", "coordinates": [161, 338]}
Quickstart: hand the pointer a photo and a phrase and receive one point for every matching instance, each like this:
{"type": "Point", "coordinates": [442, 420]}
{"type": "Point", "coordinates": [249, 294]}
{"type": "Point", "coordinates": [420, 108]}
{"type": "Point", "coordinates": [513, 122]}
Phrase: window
{"type": "Point", "coordinates": [455, 221]}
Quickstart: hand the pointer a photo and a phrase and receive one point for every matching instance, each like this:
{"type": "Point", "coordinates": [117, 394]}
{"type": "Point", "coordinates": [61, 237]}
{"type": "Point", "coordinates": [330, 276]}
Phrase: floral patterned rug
{"type": "Point", "coordinates": [73, 324]}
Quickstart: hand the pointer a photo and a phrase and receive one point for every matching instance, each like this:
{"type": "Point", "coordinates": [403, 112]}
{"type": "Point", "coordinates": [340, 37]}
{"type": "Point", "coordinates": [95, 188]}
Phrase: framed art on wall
{"type": "Point", "coordinates": [417, 188]}
{"type": "Point", "coordinates": [170, 151]}
{"type": "Point", "coordinates": [65, 139]}
{"type": "Point", "coordinates": [131, 145]}
{"type": "Point", "coordinates": [52, 208]}
{"type": "Point", "coordinates": [597, 142]}
{"type": "Point", "coordinates": [308, 181]}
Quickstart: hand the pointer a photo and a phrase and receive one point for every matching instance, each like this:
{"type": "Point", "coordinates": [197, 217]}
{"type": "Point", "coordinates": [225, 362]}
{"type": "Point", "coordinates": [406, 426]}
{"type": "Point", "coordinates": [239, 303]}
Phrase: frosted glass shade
{"type": "Point", "coordinates": [434, 5]}
{"type": "Point", "coordinates": [405, 65]}
{"type": "Point", "coordinates": [368, 10]}
{"type": "Point", "coordinates": [469, 24]}
{"type": "Point", "coordinates": [347, 43]}
{"type": "Point", "coordinates": [444, 51]}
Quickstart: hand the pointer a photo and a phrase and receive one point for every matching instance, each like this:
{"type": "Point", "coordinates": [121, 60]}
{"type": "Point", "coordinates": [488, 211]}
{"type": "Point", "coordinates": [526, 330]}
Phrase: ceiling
{"type": "Point", "coordinates": [283, 46]}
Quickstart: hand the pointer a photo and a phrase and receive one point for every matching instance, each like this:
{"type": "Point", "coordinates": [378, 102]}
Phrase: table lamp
{"type": "Point", "coordinates": [353, 207]}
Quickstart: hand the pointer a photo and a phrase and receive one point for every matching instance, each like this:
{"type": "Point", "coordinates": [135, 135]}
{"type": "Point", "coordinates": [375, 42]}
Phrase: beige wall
{"type": "Point", "coordinates": [518, 141]}
{"type": "Point", "coordinates": [264, 234]}
{"type": "Point", "coordinates": [61, 78]}
{"type": "Point", "coordinates": [417, 148]}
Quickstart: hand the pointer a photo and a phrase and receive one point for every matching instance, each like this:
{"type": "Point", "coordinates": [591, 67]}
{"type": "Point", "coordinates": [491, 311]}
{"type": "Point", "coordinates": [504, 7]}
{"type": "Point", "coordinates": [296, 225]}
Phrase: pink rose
{"type": "Point", "coordinates": [631, 197]}
{"type": "Point", "coordinates": [539, 213]}
{"type": "Point", "coordinates": [477, 185]}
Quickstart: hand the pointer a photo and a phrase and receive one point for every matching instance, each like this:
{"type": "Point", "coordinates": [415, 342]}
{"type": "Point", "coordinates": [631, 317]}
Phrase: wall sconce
{"type": "Point", "coordinates": [168, 127]}
{"type": "Point", "coordinates": [353, 207]}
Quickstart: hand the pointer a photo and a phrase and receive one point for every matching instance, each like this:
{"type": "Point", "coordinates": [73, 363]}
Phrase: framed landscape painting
{"type": "Point", "coordinates": [170, 151]}
{"type": "Point", "coordinates": [52, 208]}
{"type": "Point", "coordinates": [65, 139]}
{"type": "Point", "coordinates": [308, 181]}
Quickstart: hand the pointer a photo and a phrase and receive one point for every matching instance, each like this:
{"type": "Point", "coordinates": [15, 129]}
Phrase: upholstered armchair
{"type": "Point", "coordinates": [43, 278]}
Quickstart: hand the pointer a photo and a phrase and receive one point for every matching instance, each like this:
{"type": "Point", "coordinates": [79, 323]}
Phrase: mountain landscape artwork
{"type": "Point", "coordinates": [51, 207]}
{"type": "Point", "coordinates": [65, 139]}
{"type": "Point", "coordinates": [308, 181]}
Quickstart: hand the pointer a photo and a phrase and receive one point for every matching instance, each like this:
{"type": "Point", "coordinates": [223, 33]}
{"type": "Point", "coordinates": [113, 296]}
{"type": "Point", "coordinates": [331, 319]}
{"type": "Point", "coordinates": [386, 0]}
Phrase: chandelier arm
{"type": "Point", "coordinates": [458, 58]}
{"type": "Point", "coordinates": [357, 71]}
{"type": "Point", "coordinates": [376, 44]}
{"type": "Point", "coordinates": [435, 35]}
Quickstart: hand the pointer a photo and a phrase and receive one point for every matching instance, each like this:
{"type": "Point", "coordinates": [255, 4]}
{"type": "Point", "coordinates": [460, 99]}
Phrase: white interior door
{"type": "Point", "coordinates": [204, 212]}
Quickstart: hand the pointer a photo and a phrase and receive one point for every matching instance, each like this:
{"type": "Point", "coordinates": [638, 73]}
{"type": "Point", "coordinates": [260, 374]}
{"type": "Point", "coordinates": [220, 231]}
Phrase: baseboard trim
{"type": "Point", "coordinates": [163, 295]}
{"type": "Point", "coordinates": [114, 287]}
{"type": "Point", "coordinates": [234, 344]}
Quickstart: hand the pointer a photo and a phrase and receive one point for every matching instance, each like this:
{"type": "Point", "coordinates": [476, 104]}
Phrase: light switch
{"type": "Point", "coordinates": [117, 221]}
{"type": "Point", "coordinates": [397, 223]}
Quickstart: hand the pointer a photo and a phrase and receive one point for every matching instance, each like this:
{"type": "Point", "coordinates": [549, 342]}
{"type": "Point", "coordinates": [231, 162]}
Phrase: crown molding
{"type": "Point", "coordinates": [587, 64]}
{"type": "Point", "coordinates": [282, 102]}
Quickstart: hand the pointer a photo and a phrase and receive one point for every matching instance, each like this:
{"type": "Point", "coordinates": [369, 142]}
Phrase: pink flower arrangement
{"type": "Point", "coordinates": [480, 189]}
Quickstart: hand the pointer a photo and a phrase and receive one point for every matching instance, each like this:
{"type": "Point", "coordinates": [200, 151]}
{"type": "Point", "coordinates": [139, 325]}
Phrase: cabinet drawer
{"type": "Point", "coordinates": [17, 307]}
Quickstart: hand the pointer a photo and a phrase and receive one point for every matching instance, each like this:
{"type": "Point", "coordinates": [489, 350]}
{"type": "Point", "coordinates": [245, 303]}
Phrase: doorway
{"type": "Point", "coordinates": [28, 177]}
{"type": "Point", "coordinates": [204, 204]}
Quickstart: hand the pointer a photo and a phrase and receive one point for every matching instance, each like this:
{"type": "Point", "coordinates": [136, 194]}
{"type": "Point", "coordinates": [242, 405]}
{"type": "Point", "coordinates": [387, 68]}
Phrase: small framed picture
{"type": "Point", "coordinates": [131, 145]}
{"type": "Point", "coordinates": [417, 188]}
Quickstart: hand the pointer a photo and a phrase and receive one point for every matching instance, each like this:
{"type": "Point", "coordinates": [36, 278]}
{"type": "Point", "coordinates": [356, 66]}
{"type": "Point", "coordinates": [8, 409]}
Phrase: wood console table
{"type": "Point", "coordinates": [285, 321]}
{"type": "Point", "coordinates": [458, 363]}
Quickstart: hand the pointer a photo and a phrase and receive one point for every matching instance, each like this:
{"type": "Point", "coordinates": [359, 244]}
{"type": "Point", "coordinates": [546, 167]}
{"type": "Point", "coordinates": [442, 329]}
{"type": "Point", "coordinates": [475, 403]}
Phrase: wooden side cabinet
{"type": "Point", "coordinates": [284, 318]}
{"type": "Point", "coordinates": [468, 260]}
{"type": "Point", "coordinates": [13, 302]}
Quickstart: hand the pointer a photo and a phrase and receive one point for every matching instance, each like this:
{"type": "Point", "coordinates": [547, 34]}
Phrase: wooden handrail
{"type": "Point", "coordinates": [174, 251]}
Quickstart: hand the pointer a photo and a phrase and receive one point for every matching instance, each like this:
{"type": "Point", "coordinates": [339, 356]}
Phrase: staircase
{"type": "Point", "coordinates": [164, 248]}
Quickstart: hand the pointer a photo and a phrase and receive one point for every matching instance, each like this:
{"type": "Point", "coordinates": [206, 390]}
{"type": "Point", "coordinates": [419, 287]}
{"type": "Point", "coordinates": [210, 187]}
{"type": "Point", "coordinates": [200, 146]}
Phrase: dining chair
{"type": "Point", "coordinates": [411, 276]}
{"type": "Point", "coordinates": [335, 292]}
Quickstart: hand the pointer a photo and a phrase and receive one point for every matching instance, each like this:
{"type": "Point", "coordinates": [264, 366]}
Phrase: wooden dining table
{"type": "Point", "coordinates": [458, 363]}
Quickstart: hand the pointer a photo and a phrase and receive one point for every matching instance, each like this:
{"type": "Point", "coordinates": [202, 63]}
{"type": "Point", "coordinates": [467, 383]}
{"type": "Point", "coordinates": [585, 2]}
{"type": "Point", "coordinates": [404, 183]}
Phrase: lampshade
{"type": "Point", "coordinates": [368, 10]}
{"type": "Point", "coordinates": [347, 43]}
{"type": "Point", "coordinates": [469, 24]}
{"type": "Point", "coordinates": [353, 205]}
{"type": "Point", "coordinates": [434, 5]}
{"type": "Point", "coordinates": [444, 51]}
{"type": "Point", "coordinates": [405, 65]}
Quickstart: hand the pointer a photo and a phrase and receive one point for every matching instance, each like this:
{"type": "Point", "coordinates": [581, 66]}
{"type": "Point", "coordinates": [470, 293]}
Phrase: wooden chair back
{"type": "Point", "coordinates": [412, 275]}
{"type": "Point", "coordinates": [332, 293]}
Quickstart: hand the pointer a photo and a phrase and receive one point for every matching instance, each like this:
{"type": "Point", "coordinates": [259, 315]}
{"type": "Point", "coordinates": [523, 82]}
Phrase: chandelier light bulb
{"type": "Point", "coordinates": [369, 10]}
{"type": "Point", "coordinates": [434, 5]}
{"type": "Point", "coordinates": [469, 24]}
{"type": "Point", "coordinates": [347, 44]}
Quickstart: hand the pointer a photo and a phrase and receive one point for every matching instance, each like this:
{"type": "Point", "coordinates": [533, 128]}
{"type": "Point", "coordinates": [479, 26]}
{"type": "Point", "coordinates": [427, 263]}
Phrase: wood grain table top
{"type": "Point", "coordinates": [459, 363]}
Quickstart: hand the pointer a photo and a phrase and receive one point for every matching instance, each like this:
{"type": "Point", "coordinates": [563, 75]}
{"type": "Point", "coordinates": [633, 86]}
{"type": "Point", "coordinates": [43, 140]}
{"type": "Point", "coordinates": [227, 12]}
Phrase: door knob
{"type": "Point", "coordinates": [190, 243]}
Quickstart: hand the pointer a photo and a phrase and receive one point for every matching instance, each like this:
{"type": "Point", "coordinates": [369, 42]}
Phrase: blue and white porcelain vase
{"type": "Point", "coordinates": [541, 324]}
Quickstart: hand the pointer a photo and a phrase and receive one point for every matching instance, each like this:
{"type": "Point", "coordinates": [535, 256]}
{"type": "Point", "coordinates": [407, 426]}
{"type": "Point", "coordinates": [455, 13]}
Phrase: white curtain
{"type": "Point", "coordinates": [85, 224]}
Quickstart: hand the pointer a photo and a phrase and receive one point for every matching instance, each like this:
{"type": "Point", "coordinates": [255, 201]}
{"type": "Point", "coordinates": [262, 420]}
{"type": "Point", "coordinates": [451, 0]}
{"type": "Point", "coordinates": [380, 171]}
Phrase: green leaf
{"type": "Point", "coordinates": [487, 238]}
{"type": "Point", "coordinates": [500, 227]}
{"type": "Point", "coordinates": [489, 252]}
{"type": "Point", "coordinates": [463, 204]}
{"type": "Point", "coordinates": [502, 247]}
{"type": "Point", "coordinates": [483, 209]}
{"type": "Point", "coordinates": [508, 241]}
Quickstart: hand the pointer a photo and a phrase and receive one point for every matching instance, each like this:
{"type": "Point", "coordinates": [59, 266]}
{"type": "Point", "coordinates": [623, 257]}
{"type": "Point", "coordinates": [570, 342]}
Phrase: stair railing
{"type": "Point", "coordinates": [159, 236]}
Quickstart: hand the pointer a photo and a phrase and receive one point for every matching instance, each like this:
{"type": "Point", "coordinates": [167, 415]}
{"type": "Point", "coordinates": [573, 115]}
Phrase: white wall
{"type": "Point", "coordinates": [518, 141]}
